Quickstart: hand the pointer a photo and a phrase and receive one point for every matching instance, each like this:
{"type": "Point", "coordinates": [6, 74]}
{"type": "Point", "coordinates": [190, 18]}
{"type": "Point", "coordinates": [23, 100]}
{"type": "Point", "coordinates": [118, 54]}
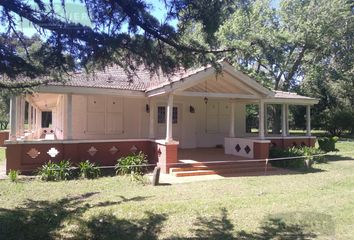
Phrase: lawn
{"type": "Point", "coordinates": [2, 155]}
{"type": "Point", "coordinates": [302, 206]}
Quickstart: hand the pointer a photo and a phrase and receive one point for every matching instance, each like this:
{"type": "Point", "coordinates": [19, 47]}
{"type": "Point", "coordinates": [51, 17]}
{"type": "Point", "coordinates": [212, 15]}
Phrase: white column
{"type": "Point", "coordinates": [69, 116]}
{"type": "Point", "coordinates": [265, 119]}
{"type": "Point", "coordinates": [13, 118]}
{"type": "Point", "coordinates": [169, 118]}
{"type": "Point", "coordinates": [261, 119]}
{"type": "Point", "coordinates": [232, 120]}
{"type": "Point", "coordinates": [22, 116]}
{"type": "Point", "coordinates": [308, 120]}
{"type": "Point", "coordinates": [284, 121]}
{"type": "Point", "coordinates": [29, 117]}
{"type": "Point", "coordinates": [152, 120]}
{"type": "Point", "coordinates": [287, 119]}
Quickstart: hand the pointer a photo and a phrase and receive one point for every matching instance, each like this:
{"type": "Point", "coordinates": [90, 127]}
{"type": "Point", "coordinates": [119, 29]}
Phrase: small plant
{"type": "Point", "coordinates": [64, 170]}
{"type": "Point", "coordinates": [132, 164]}
{"type": "Point", "coordinates": [89, 170]}
{"type": "Point", "coordinates": [328, 144]}
{"type": "Point", "coordinates": [13, 175]}
{"type": "Point", "coordinates": [51, 171]}
{"type": "Point", "coordinates": [48, 171]}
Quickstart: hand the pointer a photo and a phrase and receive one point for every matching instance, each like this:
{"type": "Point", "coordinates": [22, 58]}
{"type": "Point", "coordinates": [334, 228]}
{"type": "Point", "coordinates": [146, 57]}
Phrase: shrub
{"type": "Point", "coordinates": [328, 144]}
{"type": "Point", "coordinates": [48, 171]}
{"type": "Point", "coordinates": [89, 170]}
{"type": "Point", "coordinates": [51, 171]}
{"type": "Point", "coordinates": [307, 156]}
{"type": "Point", "coordinates": [13, 175]}
{"type": "Point", "coordinates": [64, 170]}
{"type": "Point", "coordinates": [127, 165]}
{"type": "Point", "coordinates": [339, 121]}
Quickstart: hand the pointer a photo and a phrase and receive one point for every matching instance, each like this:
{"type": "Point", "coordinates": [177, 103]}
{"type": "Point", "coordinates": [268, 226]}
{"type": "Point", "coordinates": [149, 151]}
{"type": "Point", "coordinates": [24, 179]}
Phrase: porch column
{"type": "Point", "coordinates": [284, 120]}
{"type": "Point", "coordinates": [169, 137]}
{"type": "Point", "coordinates": [21, 123]}
{"type": "Point", "coordinates": [152, 120]}
{"type": "Point", "coordinates": [265, 119]}
{"type": "Point", "coordinates": [13, 118]}
{"type": "Point", "coordinates": [261, 119]}
{"type": "Point", "coordinates": [69, 129]}
{"type": "Point", "coordinates": [29, 117]}
{"type": "Point", "coordinates": [308, 120]}
{"type": "Point", "coordinates": [232, 120]}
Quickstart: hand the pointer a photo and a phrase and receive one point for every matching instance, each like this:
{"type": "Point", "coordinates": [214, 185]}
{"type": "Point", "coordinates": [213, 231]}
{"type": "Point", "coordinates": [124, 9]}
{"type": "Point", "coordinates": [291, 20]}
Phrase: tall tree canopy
{"type": "Point", "coordinates": [120, 31]}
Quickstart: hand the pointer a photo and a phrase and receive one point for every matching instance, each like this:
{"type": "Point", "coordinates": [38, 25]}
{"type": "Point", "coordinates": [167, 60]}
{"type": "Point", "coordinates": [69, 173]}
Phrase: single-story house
{"type": "Point", "coordinates": [103, 116]}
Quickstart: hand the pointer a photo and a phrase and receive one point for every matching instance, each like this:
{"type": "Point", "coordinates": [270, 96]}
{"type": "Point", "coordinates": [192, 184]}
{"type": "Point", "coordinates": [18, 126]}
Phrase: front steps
{"type": "Point", "coordinates": [236, 168]}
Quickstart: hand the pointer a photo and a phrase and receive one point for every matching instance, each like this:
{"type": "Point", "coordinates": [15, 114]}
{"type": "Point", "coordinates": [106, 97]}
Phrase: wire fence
{"type": "Point", "coordinates": [265, 160]}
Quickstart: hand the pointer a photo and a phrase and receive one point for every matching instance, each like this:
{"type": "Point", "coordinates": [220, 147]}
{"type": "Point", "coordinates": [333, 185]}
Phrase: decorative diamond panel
{"type": "Point", "coordinates": [53, 152]}
{"type": "Point", "coordinates": [247, 149]}
{"type": "Point", "coordinates": [33, 153]}
{"type": "Point", "coordinates": [92, 151]}
{"type": "Point", "coordinates": [113, 150]}
{"type": "Point", "coordinates": [237, 148]}
{"type": "Point", "coordinates": [133, 149]}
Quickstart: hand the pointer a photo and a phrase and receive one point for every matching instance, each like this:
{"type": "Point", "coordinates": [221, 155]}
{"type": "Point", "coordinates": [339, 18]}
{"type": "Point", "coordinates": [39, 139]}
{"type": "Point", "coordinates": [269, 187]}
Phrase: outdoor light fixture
{"type": "Point", "coordinates": [206, 100]}
{"type": "Point", "coordinates": [147, 108]}
{"type": "Point", "coordinates": [191, 109]}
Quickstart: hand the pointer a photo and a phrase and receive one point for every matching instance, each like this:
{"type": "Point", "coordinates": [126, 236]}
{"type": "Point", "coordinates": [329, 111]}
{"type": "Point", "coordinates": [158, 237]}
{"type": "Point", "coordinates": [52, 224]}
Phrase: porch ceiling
{"type": "Point", "coordinates": [44, 101]}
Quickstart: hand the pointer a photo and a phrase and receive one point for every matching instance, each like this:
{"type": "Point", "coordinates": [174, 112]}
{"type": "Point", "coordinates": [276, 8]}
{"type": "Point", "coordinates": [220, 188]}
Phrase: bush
{"type": "Point", "coordinates": [48, 171]}
{"type": "Point", "coordinates": [339, 121]}
{"type": "Point", "coordinates": [127, 165]}
{"type": "Point", "coordinates": [51, 171]}
{"type": "Point", "coordinates": [13, 175]}
{"type": "Point", "coordinates": [89, 170]}
{"type": "Point", "coordinates": [328, 144]}
{"type": "Point", "coordinates": [64, 170]}
{"type": "Point", "coordinates": [307, 155]}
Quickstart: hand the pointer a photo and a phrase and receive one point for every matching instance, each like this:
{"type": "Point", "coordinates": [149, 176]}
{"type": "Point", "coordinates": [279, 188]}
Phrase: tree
{"type": "Point", "coordinates": [122, 32]}
{"type": "Point", "coordinates": [279, 46]}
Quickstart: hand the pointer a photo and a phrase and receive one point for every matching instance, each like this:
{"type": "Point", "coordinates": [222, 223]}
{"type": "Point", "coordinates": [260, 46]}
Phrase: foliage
{"type": "Point", "coordinates": [120, 32]}
{"type": "Point", "coordinates": [13, 175]}
{"type": "Point", "coordinates": [51, 171]}
{"type": "Point", "coordinates": [304, 157]}
{"type": "Point", "coordinates": [132, 164]}
{"type": "Point", "coordinates": [89, 170]}
{"type": "Point", "coordinates": [327, 144]}
{"type": "Point", "coordinates": [338, 121]}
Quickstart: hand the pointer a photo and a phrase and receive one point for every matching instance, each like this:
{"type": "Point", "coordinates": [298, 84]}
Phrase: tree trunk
{"type": "Point", "coordinates": [276, 118]}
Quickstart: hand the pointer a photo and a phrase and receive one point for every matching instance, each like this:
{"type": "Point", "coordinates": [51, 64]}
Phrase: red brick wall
{"type": "Point", "coordinates": [290, 142]}
{"type": "Point", "coordinates": [18, 158]}
{"type": "Point", "coordinates": [4, 135]}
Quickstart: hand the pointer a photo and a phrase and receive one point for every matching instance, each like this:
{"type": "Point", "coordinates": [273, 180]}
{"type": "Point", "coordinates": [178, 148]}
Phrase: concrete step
{"type": "Point", "coordinates": [229, 172]}
{"type": "Point", "coordinates": [236, 168]}
{"type": "Point", "coordinates": [227, 164]}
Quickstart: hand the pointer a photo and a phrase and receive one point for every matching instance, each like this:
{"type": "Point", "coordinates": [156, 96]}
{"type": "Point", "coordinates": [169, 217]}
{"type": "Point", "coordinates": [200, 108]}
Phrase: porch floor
{"type": "Point", "coordinates": [206, 155]}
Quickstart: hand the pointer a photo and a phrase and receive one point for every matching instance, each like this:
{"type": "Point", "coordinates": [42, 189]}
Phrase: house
{"type": "Point", "coordinates": [102, 117]}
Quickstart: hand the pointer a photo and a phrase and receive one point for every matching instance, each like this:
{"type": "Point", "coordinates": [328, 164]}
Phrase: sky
{"type": "Point", "coordinates": [76, 12]}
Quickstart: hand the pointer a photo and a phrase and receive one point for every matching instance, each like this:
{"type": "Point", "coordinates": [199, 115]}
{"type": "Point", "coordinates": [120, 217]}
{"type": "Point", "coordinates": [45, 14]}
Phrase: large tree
{"type": "Point", "coordinates": [123, 32]}
{"type": "Point", "coordinates": [279, 47]}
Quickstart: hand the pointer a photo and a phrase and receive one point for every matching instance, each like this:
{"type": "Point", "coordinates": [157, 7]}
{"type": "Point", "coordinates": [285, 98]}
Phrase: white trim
{"type": "Point", "coordinates": [215, 95]}
{"type": "Point", "coordinates": [90, 91]}
{"type": "Point", "coordinates": [291, 101]}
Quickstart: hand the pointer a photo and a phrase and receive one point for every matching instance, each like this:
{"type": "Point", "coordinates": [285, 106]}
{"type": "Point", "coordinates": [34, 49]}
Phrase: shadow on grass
{"type": "Point", "coordinates": [299, 226]}
{"type": "Point", "coordinates": [44, 219]}
{"type": "Point", "coordinates": [335, 157]}
{"type": "Point", "coordinates": [64, 220]}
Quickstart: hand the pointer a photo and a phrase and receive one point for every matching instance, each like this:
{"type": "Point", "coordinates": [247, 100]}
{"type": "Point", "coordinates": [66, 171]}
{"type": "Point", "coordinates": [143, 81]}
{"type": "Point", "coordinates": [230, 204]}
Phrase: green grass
{"type": "Point", "coordinates": [2, 155]}
{"type": "Point", "coordinates": [314, 205]}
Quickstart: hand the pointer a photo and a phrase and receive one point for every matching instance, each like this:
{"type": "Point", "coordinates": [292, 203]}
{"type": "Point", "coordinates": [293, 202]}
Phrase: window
{"type": "Point", "coordinates": [161, 115]}
{"type": "Point", "coordinates": [174, 115]}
